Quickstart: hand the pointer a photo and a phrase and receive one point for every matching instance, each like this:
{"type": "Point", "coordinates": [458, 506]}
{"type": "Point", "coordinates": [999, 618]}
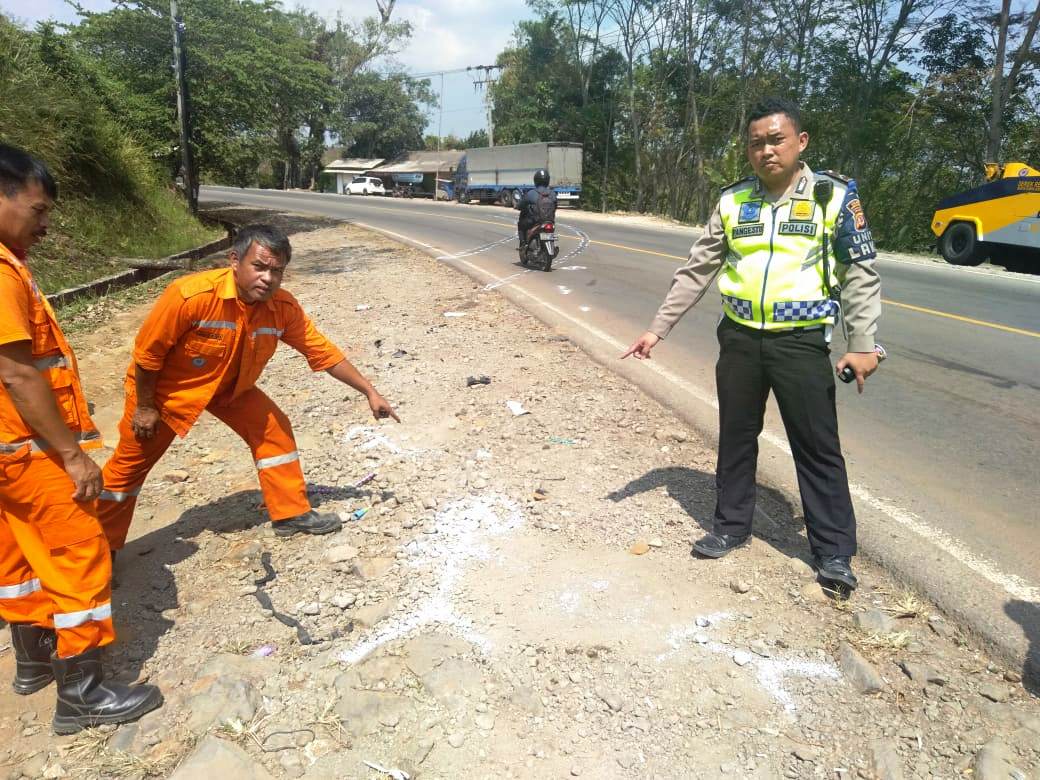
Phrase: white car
{"type": "Point", "coordinates": [366, 185]}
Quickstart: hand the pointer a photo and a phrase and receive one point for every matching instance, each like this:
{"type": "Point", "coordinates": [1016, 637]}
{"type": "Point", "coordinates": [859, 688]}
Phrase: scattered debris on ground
{"type": "Point", "coordinates": [512, 594]}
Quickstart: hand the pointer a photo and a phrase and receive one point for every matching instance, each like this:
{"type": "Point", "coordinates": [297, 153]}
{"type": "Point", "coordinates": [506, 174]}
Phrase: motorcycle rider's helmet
{"type": "Point", "coordinates": [541, 178]}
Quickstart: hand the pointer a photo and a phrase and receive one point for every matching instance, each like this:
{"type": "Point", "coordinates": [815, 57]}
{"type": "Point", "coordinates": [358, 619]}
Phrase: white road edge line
{"type": "Point", "coordinates": [1012, 584]}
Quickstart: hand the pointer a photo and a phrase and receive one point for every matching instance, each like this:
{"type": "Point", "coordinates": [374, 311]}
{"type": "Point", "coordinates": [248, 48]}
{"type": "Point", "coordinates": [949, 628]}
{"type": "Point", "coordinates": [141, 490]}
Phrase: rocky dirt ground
{"type": "Point", "coordinates": [519, 600]}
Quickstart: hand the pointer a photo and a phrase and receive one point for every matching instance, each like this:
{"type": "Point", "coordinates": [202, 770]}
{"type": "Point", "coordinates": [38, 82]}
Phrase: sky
{"type": "Point", "coordinates": [447, 34]}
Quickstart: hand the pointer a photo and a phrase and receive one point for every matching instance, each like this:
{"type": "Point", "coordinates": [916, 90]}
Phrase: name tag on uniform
{"type": "Point", "coordinates": [802, 210]}
{"type": "Point", "coordinates": [796, 229]}
{"type": "Point", "coordinates": [750, 211]}
{"type": "Point", "coordinates": [743, 231]}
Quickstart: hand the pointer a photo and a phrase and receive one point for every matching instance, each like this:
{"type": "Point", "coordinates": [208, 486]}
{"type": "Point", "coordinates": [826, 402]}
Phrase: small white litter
{"type": "Point", "coordinates": [454, 314]}
{"type": "Point", "coordinates": [362, 307]}
{"type": "Point", "coordinates": [517, 408]}
{"type": "Point", "coordinates": [393, 774]}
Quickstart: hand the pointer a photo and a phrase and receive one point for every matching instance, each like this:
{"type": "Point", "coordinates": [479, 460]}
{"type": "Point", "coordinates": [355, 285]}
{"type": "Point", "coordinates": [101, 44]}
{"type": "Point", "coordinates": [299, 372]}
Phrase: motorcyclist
{"type": "Point", "coordinates": [537, 206]}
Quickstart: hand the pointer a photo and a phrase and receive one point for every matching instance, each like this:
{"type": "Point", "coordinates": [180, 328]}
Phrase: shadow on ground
{"type": "Point", "coordinates": [694, 491]}
{"type": "Point", "coordinates": [147, 587]}
{"type": "Point", "coordinates": [1027, 615]}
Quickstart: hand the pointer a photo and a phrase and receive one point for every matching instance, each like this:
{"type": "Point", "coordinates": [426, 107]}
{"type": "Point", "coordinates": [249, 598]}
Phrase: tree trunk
{"type": "Point", "coordinates": [996, 115]}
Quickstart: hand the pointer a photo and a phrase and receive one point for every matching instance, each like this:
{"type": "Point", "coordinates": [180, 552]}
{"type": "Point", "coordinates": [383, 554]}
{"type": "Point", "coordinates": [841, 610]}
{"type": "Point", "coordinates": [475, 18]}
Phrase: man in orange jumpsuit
{"type": "Point", "coordinates": [203, 347]}
{"type": "Point", "coordinates": [54, 562]}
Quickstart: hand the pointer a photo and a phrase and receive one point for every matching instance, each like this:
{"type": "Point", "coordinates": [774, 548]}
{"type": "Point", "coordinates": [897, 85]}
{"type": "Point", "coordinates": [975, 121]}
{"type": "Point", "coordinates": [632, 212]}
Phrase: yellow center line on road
{"type": "Point", "coordinates": [911, 307]}
{"type": "Point", "coordinates": [959, 318]}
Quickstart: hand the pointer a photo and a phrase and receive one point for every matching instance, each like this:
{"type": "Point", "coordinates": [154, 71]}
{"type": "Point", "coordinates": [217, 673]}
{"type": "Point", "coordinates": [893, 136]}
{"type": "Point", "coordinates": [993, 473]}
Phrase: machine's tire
{"type": "Point", "coordinates": [960, 246]}
{"type": "Point", "coordinates": [506, 199]}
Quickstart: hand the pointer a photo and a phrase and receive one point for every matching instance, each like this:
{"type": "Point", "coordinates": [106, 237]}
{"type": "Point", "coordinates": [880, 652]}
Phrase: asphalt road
{"type": "Point", "coordinates": [942, 447]}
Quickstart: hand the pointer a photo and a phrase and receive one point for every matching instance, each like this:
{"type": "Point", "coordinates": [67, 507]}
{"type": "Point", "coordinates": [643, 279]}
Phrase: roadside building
{"type": "Point", "coordinates": [339, 173]}
{"type": "Point", "coordinates": [423, 171]}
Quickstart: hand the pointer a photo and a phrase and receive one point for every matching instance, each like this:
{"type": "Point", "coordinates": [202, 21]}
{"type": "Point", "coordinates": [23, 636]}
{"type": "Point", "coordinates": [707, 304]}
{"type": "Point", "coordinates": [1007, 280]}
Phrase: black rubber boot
{"type": "Point", "coordinates": [86, 700]}
{"type": "Point", "coordinates": [33, 647]}
{"type": "Point", "coordinates": [310, 523]}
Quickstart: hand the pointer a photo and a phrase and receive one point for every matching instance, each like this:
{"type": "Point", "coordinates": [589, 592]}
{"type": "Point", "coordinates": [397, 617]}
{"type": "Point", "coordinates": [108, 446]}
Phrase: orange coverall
{"type": "Point", "coordinates": [210, 348]}
{"type": "Point", "coordinates": [55, 568]}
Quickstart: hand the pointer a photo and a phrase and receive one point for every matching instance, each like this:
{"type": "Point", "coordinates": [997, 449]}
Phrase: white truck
{"type": "Point", "coordinates": [504, 174]}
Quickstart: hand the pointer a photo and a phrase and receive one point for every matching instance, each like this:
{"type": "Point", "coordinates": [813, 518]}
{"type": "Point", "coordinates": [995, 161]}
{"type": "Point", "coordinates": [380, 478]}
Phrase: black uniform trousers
{"type": "Point", "coordinates": [796, 366]}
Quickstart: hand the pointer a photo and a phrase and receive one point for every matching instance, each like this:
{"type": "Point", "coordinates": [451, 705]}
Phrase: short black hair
{"type": "Point", "coordinates": [768, 106]}
{"type": "Point", "coordinates": [267, 236]}
{"type": "Point", "coordinates": [18, 168]}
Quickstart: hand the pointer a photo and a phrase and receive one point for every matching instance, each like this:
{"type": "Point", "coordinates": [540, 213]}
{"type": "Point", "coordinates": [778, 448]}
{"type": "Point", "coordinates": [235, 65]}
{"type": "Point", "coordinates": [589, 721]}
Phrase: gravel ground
{"type": "Point", "coordinates": [519, 599]}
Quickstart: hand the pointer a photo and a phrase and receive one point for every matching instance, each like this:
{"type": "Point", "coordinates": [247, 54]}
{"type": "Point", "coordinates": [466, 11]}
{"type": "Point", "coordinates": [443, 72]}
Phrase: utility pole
{"type": "Point", "coordinates": [440, 119]}
{"type": "Point", "coordinates": [488, 82]}
{"type": "Point", "coordinates": [183, 108]}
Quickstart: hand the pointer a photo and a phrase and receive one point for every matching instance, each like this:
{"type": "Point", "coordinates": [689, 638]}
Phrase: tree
{"type": "Point", "coordinates": [1004, 86]}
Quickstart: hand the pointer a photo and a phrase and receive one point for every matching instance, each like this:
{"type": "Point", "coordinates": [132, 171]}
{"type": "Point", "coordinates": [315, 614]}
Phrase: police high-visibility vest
{"type": "Point", "coordinates": [773, 276]}
{"type": "Point", "coordinates": [53, 357]}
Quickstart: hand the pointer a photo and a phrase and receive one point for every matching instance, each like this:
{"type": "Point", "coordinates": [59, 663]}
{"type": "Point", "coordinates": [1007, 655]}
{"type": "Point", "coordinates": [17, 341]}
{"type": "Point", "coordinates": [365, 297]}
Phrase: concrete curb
{"type": "Point", "coordinates": [144, 273]}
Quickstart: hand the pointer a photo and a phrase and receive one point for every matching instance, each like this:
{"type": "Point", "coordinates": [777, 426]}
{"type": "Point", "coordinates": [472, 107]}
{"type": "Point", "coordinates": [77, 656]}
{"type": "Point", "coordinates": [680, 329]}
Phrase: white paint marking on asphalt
{"type": "Point", "coordinates": [584, 308]}
{"type": "Point", "coordinates": [1012, 584]}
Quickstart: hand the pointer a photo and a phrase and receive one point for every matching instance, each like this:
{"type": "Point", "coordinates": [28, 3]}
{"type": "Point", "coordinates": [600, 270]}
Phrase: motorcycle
{"type": "Point", "coordinates": [541, 247]}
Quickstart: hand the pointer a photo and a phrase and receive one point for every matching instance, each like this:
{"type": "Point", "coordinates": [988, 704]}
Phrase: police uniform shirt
{"type": "Point", "coordinates": [861, 285]}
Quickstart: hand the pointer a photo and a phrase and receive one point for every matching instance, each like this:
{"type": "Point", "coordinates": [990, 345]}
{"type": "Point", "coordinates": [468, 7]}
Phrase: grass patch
{"type": "Point", "coordinates": [115, 201]}
{"type": "Point", "coordinates": [92, 238]}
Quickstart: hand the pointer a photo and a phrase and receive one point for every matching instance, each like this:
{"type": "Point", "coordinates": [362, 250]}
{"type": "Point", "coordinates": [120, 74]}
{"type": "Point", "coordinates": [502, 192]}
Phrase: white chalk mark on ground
{"type": "Point", "coordinates": [564, 289]}
{"type": "Point", "coordinates": [771, 673]}
{"type": "Point", "coordinates": [585, 308]}
{"type": "Point", "coordinates": [506, 280]}
{"type": "Point", "coordinates": [463, 530]}
{"type": "Point", "coordinates": [478, 250]}
{"type": "Point", "coordinates": [366, 438]}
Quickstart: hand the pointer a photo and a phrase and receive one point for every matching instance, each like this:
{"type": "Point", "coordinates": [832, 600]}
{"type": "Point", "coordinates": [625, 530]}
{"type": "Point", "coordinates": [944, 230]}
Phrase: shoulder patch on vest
{"type": "Point", "coordinates": [838, 177]}
{"type": "Point", "coordinates": [748, 180]}
{"type": "Point", "coordinates": [195, 285]}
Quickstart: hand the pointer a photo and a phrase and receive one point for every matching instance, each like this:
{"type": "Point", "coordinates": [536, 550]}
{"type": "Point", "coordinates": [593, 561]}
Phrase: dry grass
{"type": "Point", "coordinates": [908, 605]}
{"type": "Point", "coordinates": [90, 750]}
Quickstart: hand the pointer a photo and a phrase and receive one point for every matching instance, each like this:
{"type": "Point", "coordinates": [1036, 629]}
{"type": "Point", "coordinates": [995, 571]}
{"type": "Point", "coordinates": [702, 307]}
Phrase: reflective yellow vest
{"type": "Point", "coordinates": [773, 274]}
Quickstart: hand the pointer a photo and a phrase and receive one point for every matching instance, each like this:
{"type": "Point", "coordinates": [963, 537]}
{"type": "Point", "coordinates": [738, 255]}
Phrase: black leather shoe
{"type": "Point", "coordinates": [717, 545]}
{"type": "Point", "coordinates": [33, 647]}
{"type": "Point", "coordinates": [310, 523]}
{"type": "Point", "coordinates": [836, 568]}
{"type": "Point", "coordinates": [86, 700]}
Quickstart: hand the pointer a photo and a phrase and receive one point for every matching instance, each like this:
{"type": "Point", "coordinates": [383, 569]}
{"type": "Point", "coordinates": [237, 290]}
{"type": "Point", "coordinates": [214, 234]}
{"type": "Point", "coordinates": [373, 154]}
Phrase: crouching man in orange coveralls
{"type": "Point", "coordinates": [203, 347]}
{"type": "Point", "coordinates": [54, 564]}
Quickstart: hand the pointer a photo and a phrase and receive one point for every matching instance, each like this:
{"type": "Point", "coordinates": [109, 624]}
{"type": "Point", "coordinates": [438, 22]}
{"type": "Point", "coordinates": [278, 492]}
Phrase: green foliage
{"type": "Point", "coordinates": [113, 203]}
{"type": "Point", "coordinates": [380, 116]}
{"type": "Point", "coordinates": [900, 101]}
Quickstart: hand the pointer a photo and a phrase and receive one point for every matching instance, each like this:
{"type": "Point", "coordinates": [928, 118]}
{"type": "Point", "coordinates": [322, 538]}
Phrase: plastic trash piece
{"type": "Point", "coordinates": [393, 774]}
{"type": "Point", "coordinates": [516, 408]}
{"type": "Point", "coordinates": [362, 307]}
{"type": "Point", "coordinates": [454, 314]}
{"type": "Point", "coordinates": [264, 651]}
{"type": "Point", "coordinates": [399, 354]}
{"type": "Point", "coordinates": [477, 380]}
{"type": "Point", "coordinates": [559, 440]}
{"type": "Point", "coordinates": [359, 513]}
{"type": "Point", "coordinates": [365, 480]}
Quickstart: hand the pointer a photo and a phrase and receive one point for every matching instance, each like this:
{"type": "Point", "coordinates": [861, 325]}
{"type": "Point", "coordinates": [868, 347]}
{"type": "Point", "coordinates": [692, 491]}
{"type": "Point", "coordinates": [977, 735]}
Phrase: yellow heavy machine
{"type": "Point", "coordinates": [999, 220]}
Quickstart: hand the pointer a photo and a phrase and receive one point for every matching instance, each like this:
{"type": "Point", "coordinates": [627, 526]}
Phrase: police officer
{"type": "Point", "coordinates": [538, 206]}
{"type": "Point", "coordinates": [764, 243]}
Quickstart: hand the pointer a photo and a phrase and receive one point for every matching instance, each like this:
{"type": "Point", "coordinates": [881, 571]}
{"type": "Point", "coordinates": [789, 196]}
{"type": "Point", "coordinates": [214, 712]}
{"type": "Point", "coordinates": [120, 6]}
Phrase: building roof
{"type": "Point", "coordinates": [353, 165]}
{"type": "Point", "coordinates": [422, 162]}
